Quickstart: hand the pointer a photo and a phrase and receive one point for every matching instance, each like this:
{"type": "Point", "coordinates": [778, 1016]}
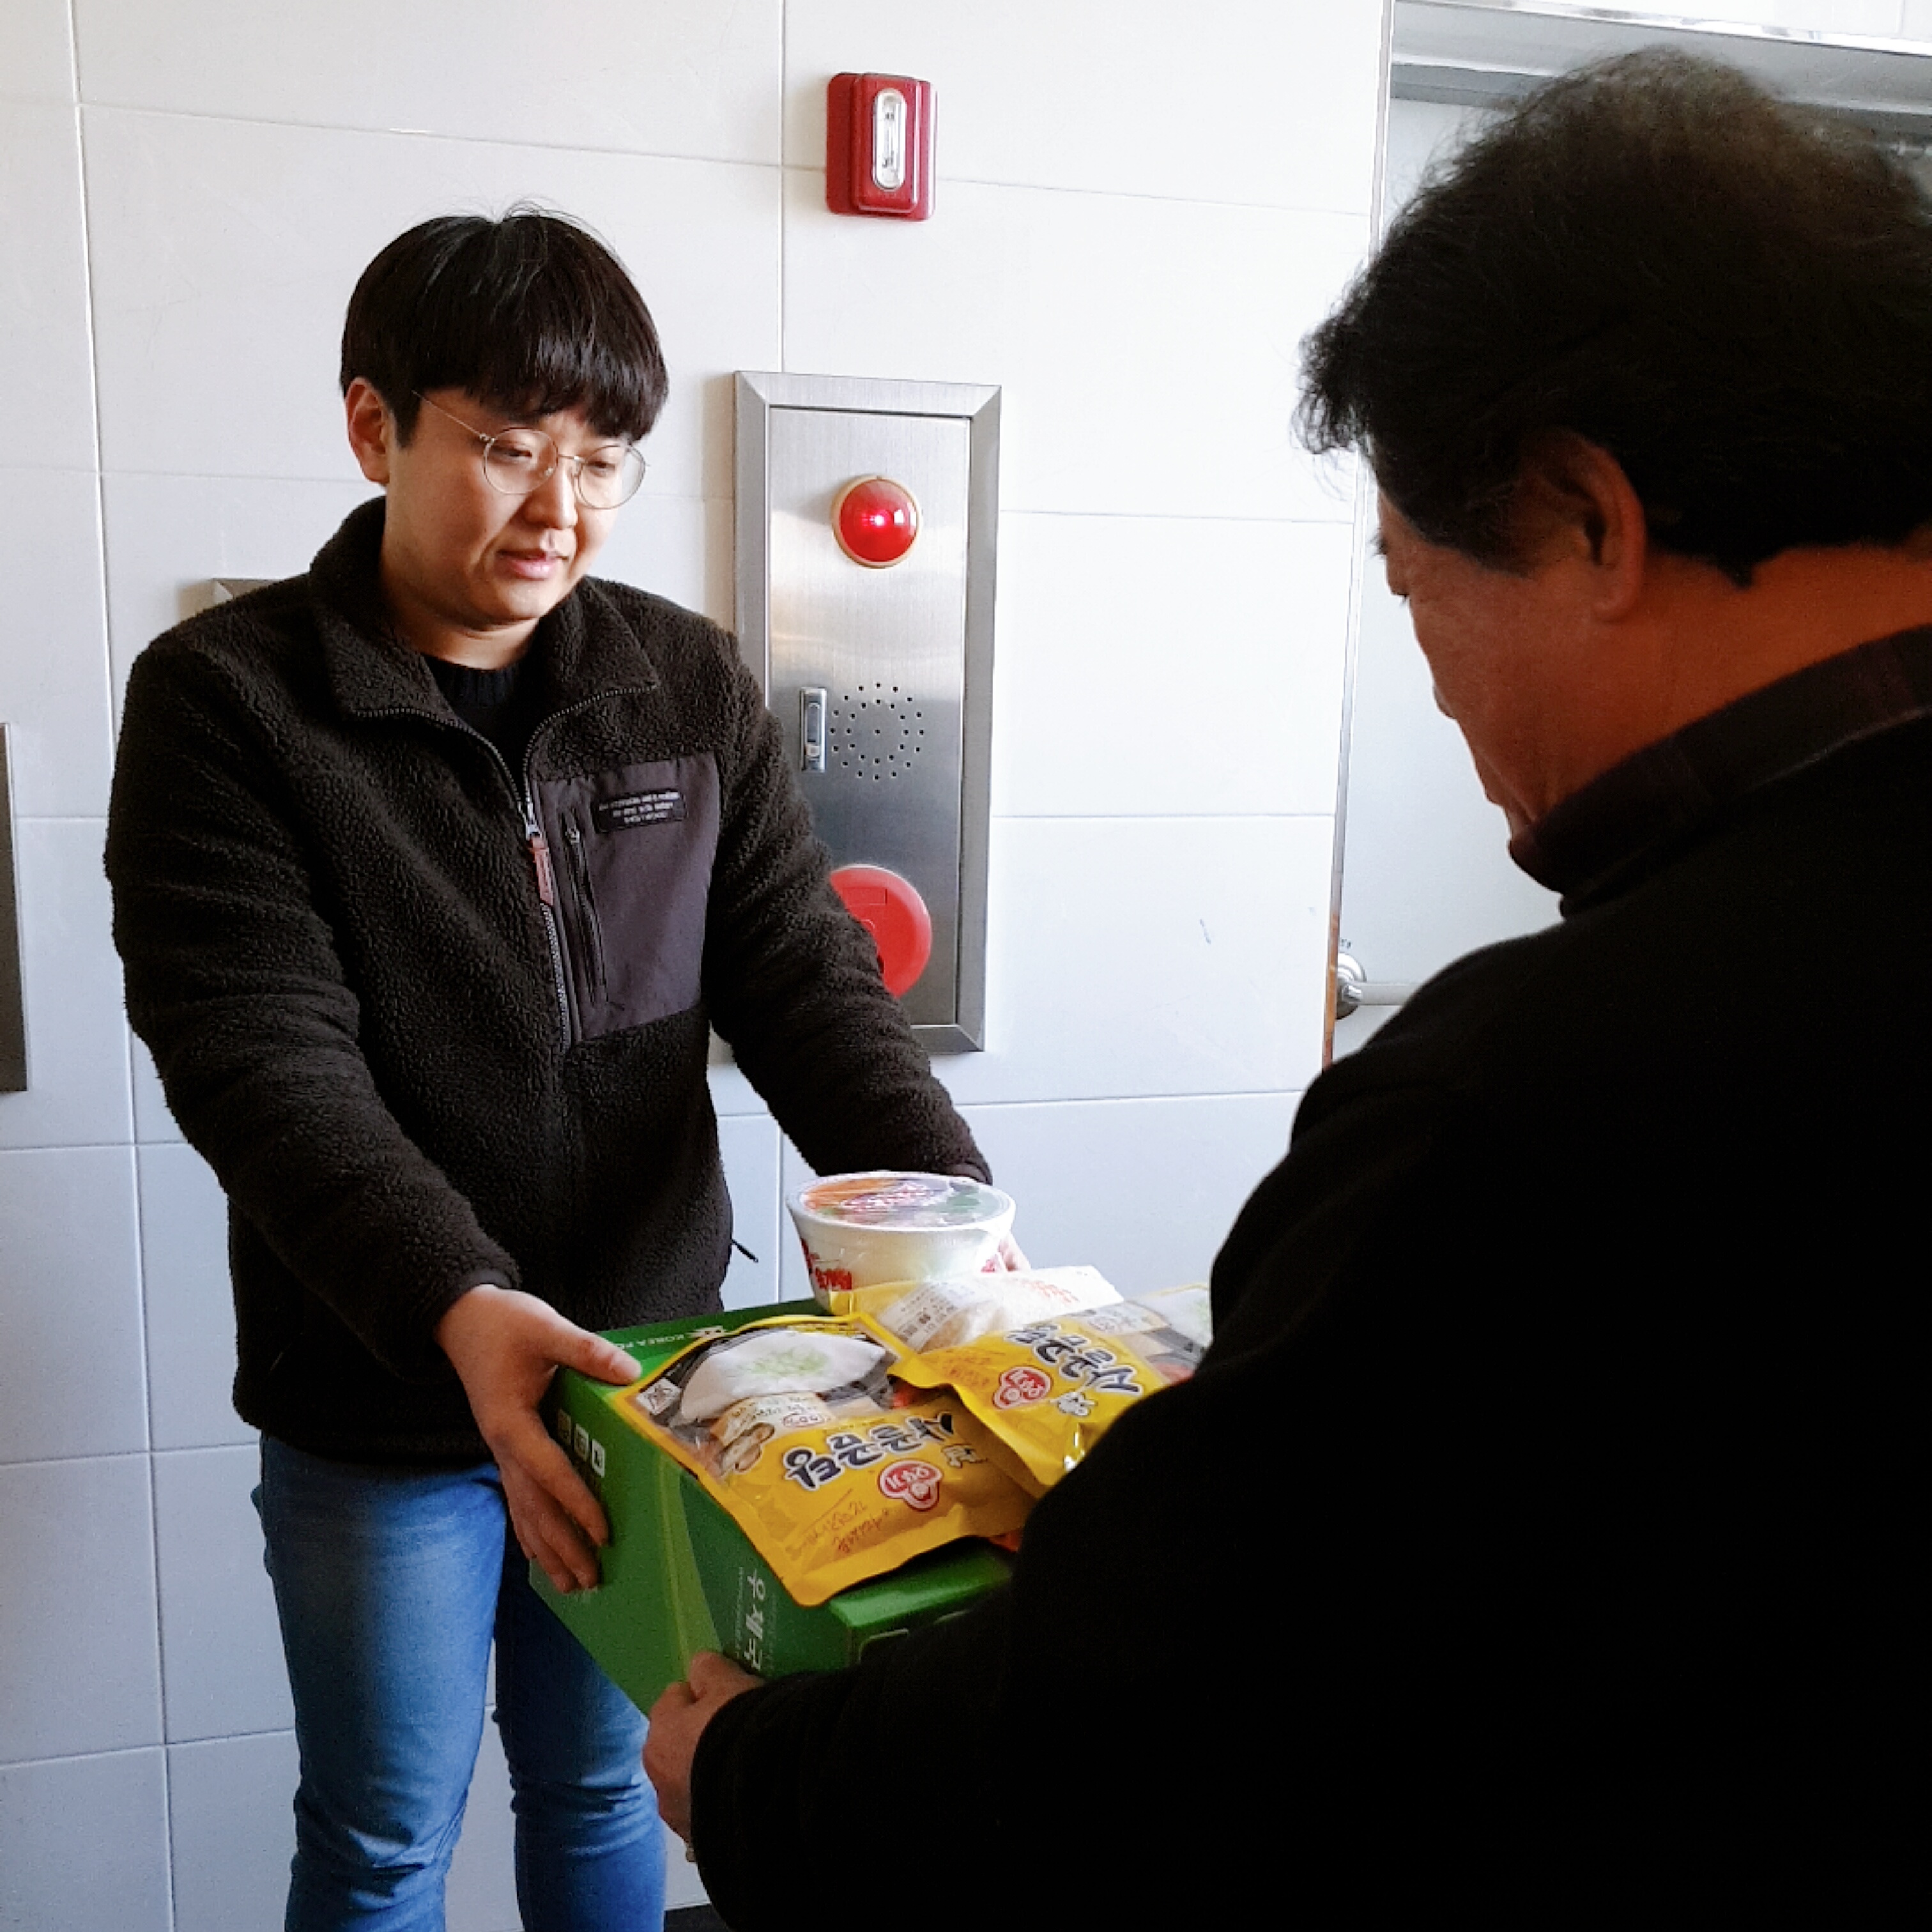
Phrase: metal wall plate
{"type": "Point", "coordinates": [881, 679]}
{"type": "Point", "coordinates": [12, 1002]}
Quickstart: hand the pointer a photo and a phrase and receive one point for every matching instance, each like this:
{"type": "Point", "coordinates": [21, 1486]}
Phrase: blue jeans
{"type": "Point", "coordinates": [391, 1585]}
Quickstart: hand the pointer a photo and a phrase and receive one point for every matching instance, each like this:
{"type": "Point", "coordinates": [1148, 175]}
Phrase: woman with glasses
{"type": "Point", "coordinates": [434, 869]}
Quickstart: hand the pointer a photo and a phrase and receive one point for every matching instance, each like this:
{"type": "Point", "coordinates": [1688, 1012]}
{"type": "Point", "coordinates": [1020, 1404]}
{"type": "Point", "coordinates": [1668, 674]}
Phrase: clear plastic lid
{"type": "Point", "coordinates": [886, 1200]}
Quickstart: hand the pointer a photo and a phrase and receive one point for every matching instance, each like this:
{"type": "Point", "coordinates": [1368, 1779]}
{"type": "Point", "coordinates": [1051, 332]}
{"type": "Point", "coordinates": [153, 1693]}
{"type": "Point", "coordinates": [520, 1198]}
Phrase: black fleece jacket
{"type": "Point", "coordinates": [435, 1022]}
{"type": "Point", "coordinates": [1533, 1546]}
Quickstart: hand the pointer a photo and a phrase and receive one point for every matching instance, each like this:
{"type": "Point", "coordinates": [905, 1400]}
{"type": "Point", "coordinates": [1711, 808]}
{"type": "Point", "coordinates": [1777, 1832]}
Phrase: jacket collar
{"type": "Point", "coordinates": [584, 645]}
{"type": "Point", "coordinates": [1623, 825]}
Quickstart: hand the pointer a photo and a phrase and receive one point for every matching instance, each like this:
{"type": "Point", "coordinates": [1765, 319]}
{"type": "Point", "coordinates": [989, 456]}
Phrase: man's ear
{"type": "Point", "coordinates": [1574, 500]}
{"type": "Point", "coordinates": [372, 429]}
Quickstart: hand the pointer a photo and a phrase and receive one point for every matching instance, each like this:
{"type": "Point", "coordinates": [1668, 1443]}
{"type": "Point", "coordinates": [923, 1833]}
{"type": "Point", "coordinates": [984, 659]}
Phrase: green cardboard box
{"type": "Point", "coordinates": [679, 1575]}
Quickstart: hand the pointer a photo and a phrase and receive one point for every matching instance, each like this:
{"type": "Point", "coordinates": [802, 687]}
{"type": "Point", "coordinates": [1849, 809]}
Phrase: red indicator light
{"type": "Point", "coordinates": [892, 910]}
{"type": "Point", "coordinates": [875, 520]}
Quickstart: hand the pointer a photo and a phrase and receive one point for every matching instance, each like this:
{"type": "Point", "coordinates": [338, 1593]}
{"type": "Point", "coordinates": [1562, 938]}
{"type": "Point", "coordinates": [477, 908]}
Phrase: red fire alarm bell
{"type": "Point", "coordinates": [875, 520]}
{"type": "Point", "coordinates": [891, 909]}
{"type": "Point", "coordinates": [878, 145]}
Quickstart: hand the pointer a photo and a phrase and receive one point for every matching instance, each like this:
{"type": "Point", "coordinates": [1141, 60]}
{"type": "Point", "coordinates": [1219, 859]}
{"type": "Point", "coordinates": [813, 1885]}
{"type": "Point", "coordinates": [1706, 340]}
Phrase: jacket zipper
{"type": "Point", "coordinates": [587, 898]}
{"type": "Point", "coordinates": [525, 796]}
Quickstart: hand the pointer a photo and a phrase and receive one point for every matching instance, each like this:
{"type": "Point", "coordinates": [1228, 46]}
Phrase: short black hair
{"type": "Point", "coordinates": [532, 312]}
{"type": "Point", "coordinates": [1729, 293]}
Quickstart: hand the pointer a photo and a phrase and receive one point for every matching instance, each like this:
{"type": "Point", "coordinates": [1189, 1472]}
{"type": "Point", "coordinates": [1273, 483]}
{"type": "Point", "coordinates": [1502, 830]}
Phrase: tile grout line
{"type": "Point", "coordinates": [780, 166]}
{"type": "Point", "coordinates": [784, 208]}
{"type": "Point", "coordinates": [133, 1155]}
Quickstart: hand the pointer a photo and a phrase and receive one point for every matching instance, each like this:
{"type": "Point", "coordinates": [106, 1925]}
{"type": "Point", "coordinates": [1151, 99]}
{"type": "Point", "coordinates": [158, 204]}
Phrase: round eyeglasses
{"type": "Point", "coordinates": [517, 461]}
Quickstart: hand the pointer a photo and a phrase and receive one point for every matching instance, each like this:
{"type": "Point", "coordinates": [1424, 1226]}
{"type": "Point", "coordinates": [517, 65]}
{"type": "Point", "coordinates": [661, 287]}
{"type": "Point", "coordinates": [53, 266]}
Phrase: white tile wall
{"type": "Point", "coordinates": [53, 661]}
{"type": "Point", "coordinates": [169, 535]}
{"type": "Point", "coordinates": [1164, 666]}
{"type": "Point", "coordinates": [1139, 956]}
{"type": "Point", "coordinates": [749, 1143]}
{"type": "Point", "coordinates": [43, 285]}
{"type": "Point", "coordinates": [71, 1381]}
{"type": "Point", "coordinates": [1105, 95]}
{"type": "Point", "coordinates": [190, 1323]}
{"type": "Point", "coordinates": [84, 1845]}
{"type": "Point", "coordinates": [685, 77]}
{"type": "Point", "coordinates": [1133, 258]}
{"type": "Point", "coordinates": [680, 547]}
{"type": "Point", "coordinates": [222, 1671]}
{"type": "Point", "coordinates": [1144, 1190]}
{"type": "Point", "coordinates": [224, 251]}
{"type": "Point", "coordinates": [231, 1824]}
{"type": "Point", "coordinates": [152, 1121]}
{"type": "Point", "coordinates": [1125, 391]}
{"type": "Point", "coordinates": [36, 51]}
{"type": "Point", "coordinates": [80, 1667]}
{"type": "Point", "coordinates": [76, 1044]}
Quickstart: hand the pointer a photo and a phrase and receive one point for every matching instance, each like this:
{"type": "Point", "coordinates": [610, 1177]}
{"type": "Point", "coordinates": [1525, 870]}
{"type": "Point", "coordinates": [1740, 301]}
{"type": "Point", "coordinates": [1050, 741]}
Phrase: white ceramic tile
{"type": "Point", "coordinates": [79, 1670]}
{"type": "Point", "coordinates": [230, 1803]}
{"type": "Point", "coordinates": [36, 51]}
{"type": "Point", "coordinates": [1169, 666]}
{"type": "Point", "coordinates": [731, 1093]}
{"type": "Point", "coordinates": [77, 1071]}
{"type": "Point", "coordinates": [225, 254]}
{"type": "Point", "coordinates": [1147, 350]}
{"type": "Point", "coordinates": [53, 648]}
{"type": "Point", "coordinates": [67, 1233]}
{"type": "Point", "coordinates": [191, 1311]}
{"type": "Point", "coordinates": [1134, 957]}
{"type": "Point", "coordinates": [794, 1283]}
{"type": "Point", "coordinates": [43, 324]}
{"type": "Point", "coordinates": [1144, 1190]}
{"type": "Point", "coordinates": [1246, 100]}
{"type": "Point", "coordinates": [152, 1121]}
{"type": "Point", "coordinates": [482, 1895]}
{"type": "Point", "coordinates": [679, 547]}
{"type": "Point", "coordinates": [683, 1888]}
{"type": "Point", "coordinates": [1426, 874]}
{"type": "Point", "coordinates": [84, 1845]}
{"type": "Point", "coordinates": [222, 1671]}
{"type": "Point", "coordinates": [650, 77]}
{"type": "Point", "coordinates": [749, 1143]}
{"type": "Point", "coordinates": [1914, 20]}
{"type": "Point", "coordinates": [168, 536]}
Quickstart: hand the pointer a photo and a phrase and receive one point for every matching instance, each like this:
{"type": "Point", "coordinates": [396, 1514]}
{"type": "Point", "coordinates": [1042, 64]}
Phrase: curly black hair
{"type": "Point", "coordinates": [1729, 293]}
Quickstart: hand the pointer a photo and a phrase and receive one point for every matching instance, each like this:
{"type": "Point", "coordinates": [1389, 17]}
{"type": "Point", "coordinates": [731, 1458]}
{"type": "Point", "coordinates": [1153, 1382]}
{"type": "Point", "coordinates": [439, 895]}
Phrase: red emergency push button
{"type": "Point", "coordinates": [875, 520]}
{"type": "Point", "coordinates": [892, 910]}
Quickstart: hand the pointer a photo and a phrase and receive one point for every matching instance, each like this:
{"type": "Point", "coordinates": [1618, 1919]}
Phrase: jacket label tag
{"type": "Point", "coordinates": [637, 808]}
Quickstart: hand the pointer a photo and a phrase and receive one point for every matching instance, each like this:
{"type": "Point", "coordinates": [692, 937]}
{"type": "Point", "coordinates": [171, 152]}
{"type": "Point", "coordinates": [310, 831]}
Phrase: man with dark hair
{"type": "Point", "coordinates": [1532, 1545]}
{"type": "Point", "coordinates": [433, 870]}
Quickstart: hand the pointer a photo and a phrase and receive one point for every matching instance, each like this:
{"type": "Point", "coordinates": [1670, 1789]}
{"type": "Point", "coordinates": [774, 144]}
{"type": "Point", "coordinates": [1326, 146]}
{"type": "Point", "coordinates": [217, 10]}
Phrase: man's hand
{"type": "Point", "coordinates": [678, 1719]}
{"type": "Point", "coordinates": [506, 1346]}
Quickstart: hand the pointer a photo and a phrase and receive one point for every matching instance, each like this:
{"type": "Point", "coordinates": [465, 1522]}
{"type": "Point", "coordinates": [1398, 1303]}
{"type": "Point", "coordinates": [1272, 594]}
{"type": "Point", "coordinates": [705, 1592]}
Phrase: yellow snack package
{"type": "Point", "coordinates": [948, 1309]}
{"type": "Point", "coordinates": [1048, 1391]}
{"type": "Point", "coordinates": [836, 1471]}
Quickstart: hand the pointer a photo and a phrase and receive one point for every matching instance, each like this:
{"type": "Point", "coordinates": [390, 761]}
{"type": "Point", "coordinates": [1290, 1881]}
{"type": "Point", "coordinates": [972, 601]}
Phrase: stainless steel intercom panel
{"type": "Point", "coordinates": [866, 518]}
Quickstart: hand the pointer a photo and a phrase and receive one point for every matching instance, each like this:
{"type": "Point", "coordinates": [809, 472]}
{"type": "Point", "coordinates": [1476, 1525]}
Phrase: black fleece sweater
{"type": "Point", "coordinates": [1534, 1546]}
{"type": "Point", "coordinates": [434, 1021]}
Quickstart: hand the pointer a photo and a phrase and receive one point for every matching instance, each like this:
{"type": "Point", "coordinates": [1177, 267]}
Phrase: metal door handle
{"type": "Point", "coordinates": [1353, 987]}
{"type": "Point", "coordinates": [811, 728]}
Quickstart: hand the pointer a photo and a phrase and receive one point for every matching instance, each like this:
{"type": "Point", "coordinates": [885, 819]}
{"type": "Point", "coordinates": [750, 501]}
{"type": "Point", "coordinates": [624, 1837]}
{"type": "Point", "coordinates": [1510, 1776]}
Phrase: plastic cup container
{"type": "Point", "coordinates": [861, 1230]}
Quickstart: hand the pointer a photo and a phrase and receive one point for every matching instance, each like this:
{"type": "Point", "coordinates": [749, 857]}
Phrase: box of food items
{"type": "Point", "coordinates": [791, 1484]}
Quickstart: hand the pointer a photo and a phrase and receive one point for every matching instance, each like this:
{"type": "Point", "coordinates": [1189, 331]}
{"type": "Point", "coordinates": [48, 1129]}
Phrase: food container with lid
{"type": "Point", "coordinates": [860, 1230]}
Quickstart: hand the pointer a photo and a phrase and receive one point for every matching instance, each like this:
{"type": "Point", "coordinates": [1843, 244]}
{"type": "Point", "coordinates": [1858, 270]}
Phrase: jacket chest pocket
{"type": "Point", "coordinates": [631, 853]}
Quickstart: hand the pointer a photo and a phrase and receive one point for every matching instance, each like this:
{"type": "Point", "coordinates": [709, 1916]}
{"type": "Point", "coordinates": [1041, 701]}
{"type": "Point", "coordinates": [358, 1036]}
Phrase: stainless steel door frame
{"type": "Point", "coordinates": [940, 843]}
